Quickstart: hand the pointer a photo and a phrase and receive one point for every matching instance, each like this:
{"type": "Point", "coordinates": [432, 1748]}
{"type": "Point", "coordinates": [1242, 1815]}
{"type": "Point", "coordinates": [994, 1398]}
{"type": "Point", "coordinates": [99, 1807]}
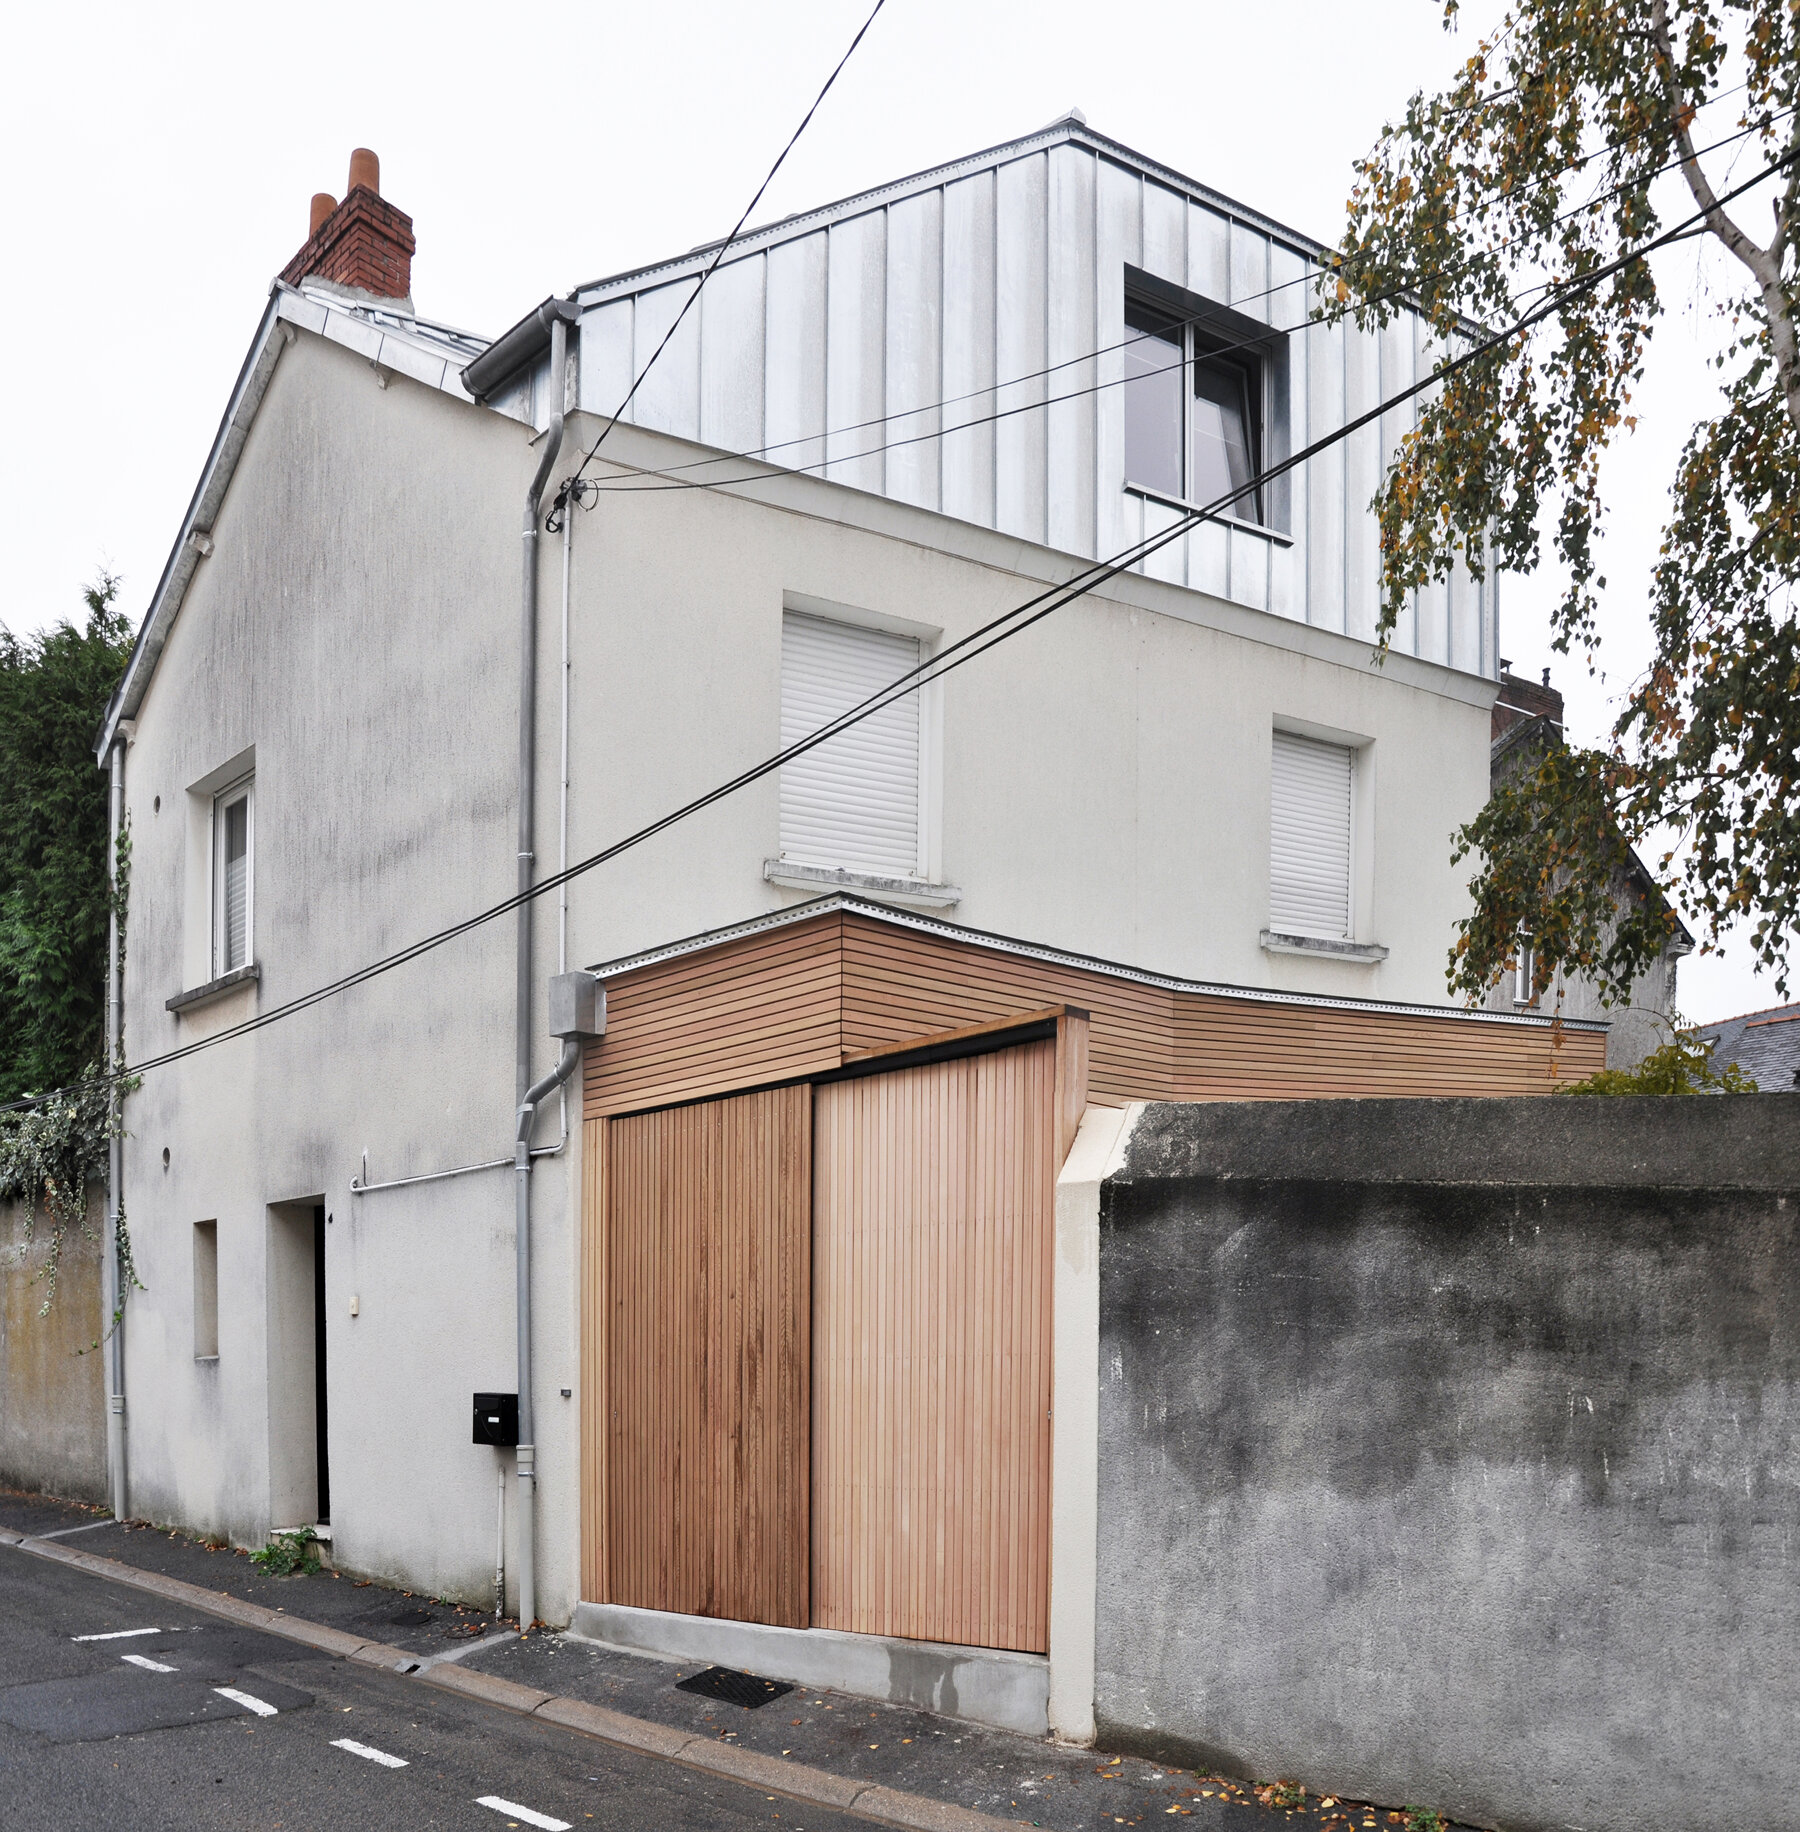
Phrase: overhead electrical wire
{"type": "Point", "coordinates": [573, 483]}
{"type": "Point", "coordinates": [997, 630]}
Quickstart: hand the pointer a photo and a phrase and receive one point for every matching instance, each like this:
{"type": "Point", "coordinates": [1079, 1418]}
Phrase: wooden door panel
{"type": "Point", "coordinates": [708, 1350]}
{"type": "Point", "coordinates": [932, 1232]}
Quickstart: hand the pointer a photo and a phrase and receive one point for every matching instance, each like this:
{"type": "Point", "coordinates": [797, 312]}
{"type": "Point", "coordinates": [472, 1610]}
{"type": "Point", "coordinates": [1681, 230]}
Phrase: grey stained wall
{"type": "Point", "coordinates": [52, 1395]}
{"type": "Point", "coordinates": [1450, 1453]}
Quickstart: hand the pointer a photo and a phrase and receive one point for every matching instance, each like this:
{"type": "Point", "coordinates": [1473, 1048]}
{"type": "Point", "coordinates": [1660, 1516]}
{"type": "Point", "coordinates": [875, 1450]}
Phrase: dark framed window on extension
{"type": "Point", "coordinates": [1197, 420]}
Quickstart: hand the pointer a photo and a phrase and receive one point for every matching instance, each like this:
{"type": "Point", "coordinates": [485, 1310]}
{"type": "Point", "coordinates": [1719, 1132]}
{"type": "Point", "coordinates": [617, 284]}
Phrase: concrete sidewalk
{"type": "Point", "coordinates": [879, 1762]}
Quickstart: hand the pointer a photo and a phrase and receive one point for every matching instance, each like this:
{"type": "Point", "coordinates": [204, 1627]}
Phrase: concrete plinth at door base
{"type": "Point", "coordinates": [985, 1685]}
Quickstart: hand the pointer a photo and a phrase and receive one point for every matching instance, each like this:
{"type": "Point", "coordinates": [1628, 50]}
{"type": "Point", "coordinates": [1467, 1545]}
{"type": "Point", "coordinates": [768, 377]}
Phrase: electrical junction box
{"type": "Point", "coordinates": [577, 1006]}
{"type": "Point", "coordinates": [497, 1418]}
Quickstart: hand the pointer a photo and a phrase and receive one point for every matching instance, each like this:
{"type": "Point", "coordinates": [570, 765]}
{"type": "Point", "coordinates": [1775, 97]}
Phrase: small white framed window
{"type": "Point", "coordinates": [1525, 972]}
{"type": "Point", "coordinates": [853, 801]}
{"type": "Point", "coordinates": [1311, 808]}
{"type": "Point", "coordinates": [233, 876]}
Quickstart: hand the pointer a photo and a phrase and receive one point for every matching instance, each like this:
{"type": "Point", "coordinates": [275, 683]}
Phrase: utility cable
{"type": "Point", "coordinates": [713, 266]}
{"type": "Point", "coordinates": [978, 642]}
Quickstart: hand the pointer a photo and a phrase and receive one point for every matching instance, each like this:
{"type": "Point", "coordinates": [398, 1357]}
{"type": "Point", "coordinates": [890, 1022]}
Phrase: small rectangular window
{"type": "Point", "coordinates": [1193, 414]}
{"type": "Point", "coordinates": [233, 886]}
{"type": "Point", "coordinates": [1154, 383]}
{"type": "Point", "coordinates": [1309, 837]}
{"type": "Point", "coordinates": [1224, 437]}
{"type": "Point", "coordinates": [853, 801]}
{"type": "Point", "coordinates": [1524, 992]}
{"type": "Point", "coordinates": [206, 1290]}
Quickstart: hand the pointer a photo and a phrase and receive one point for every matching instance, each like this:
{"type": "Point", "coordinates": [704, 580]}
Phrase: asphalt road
{"type": "Point", "coordinates": [117, 1710]}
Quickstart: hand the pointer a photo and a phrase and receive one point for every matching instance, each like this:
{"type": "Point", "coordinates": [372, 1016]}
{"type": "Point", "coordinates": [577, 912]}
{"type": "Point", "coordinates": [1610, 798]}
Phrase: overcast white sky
{"type": "Point", "coordinates": [160, 161]}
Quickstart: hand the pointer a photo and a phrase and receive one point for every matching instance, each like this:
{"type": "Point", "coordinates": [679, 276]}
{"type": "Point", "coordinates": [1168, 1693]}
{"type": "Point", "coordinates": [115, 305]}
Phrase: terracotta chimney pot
{"type": "Point", "coordinates": [363, 243]}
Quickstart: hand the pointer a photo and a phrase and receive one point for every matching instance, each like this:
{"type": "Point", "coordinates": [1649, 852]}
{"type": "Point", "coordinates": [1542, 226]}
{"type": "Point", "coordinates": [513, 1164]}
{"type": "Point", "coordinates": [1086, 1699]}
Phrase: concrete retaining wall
{"type": "Point", "coordinates": [52, 1397]}
{"type": "Point", "coordinates": [1450, 1453]}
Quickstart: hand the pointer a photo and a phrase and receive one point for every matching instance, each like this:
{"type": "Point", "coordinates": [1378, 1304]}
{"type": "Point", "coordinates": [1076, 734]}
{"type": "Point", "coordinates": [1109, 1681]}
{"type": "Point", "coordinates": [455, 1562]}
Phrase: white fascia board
{"type": "Point", "coordinates": [1061, 133]}
{"type": "Point", "coordinates": [215, 478]}
{"type": "Point", "coordinates": [288, 311]}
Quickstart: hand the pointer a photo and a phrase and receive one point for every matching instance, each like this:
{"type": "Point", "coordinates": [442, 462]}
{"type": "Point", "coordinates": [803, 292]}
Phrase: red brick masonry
{"type": "Point", "coordinates": [365, 242]}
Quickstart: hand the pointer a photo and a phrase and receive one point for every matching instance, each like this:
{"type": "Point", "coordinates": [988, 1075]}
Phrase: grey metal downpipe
{"type": "Point", "coordinates": [112, 1281]}
{"type": "Point", "coordinates": [577, 1016]}
{"type": "Point", "coordinates": [527, 1453]}
{"type": "Point", "coordinates": [554, 315]}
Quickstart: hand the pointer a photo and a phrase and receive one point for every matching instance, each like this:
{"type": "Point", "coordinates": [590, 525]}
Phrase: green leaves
{"type": "Point", "coordinates": [55, 900]}
{"type": "Point", "coordinates": [53, 840]}
{"type": "Point", "coordinates": [1682, 1066]}
{"type": "Point", "coordinates": [1540, 164]}
{"type": "Point", "coordinates": [290, 1554]}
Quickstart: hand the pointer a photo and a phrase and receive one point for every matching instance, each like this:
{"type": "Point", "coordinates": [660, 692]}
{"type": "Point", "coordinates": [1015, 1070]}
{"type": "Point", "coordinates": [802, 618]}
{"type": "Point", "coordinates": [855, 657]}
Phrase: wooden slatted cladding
{"type": "Point", "coordinates": [933, 1223]}
{"type": "Point", "coordinates": [708, 1356]}
{"type": "Point", "coordinates": [761, 1010]}
{"type": "Point", "coordinates": [801, 1000]}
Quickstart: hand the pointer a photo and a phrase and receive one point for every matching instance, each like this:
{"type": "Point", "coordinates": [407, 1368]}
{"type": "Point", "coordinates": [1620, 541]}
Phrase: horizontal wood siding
{"type": "Point", "coordinates": [763, 1009]}
{"type": "Point", "coordinates": [1239, 1049]}
{"type": "Point", "coordinates": [801, 1001]}
{"type": "Point", "coordinates": [900, 984]}
{"type": "Point", "coordinates": [933, 1214]}
{"type": "Point", "coordinates": [708, 1284]}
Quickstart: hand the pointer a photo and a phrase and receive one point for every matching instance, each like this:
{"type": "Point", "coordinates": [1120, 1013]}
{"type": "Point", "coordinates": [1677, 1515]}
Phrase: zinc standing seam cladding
{"type": "Point", "coordinates": [932, 304]}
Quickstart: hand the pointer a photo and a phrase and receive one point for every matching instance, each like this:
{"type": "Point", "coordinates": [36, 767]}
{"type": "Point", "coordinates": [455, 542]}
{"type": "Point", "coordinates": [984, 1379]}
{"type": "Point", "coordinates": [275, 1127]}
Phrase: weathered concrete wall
{"type": "Point", "coordinates": [1450, 1453]}
{"type": "Point", "coordinates": [52, 1396]}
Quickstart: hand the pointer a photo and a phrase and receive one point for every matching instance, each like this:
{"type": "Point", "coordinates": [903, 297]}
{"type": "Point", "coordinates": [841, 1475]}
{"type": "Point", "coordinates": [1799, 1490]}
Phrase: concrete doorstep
{"type": "Point", "coordinates": [866, 1800]}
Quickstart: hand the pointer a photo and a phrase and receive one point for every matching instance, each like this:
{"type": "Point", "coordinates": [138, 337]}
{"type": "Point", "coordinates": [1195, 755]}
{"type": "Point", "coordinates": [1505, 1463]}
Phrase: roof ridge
{"type": "Point", "coordinates": [1069, 129]}
{"type": "Point", "coordinates": [1744, 1016]}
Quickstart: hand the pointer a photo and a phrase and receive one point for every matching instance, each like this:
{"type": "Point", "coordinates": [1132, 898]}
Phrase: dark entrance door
{"type": "Point", "coordinates": [324, 1514]}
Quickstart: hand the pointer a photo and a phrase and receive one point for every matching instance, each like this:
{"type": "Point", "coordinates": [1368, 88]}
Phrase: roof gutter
{"type": "Point", "coordinates": [510, 352]}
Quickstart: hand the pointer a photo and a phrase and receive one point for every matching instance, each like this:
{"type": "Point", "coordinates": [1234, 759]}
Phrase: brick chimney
{"type": "Point", "coordinates": [363, 244]}
{"type": "Point", "coordinates": [1523, 699]}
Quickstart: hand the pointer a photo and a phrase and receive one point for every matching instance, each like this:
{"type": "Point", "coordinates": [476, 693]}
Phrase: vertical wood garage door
{"type": "Point", "coordinates": [709, 1357]}
{"type": "Point", "coordinates": [933, 1205]}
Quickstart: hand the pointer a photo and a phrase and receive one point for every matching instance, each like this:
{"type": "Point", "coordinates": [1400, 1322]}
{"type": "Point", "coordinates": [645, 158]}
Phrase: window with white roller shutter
{"type": "Point", "coordinates": [1309, 837]}
{"type": "Point", "coordinates": [854, 800]}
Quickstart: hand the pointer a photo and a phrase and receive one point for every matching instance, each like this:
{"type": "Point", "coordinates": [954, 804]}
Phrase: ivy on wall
{"type": "Point", "coordinates": [55, 902]}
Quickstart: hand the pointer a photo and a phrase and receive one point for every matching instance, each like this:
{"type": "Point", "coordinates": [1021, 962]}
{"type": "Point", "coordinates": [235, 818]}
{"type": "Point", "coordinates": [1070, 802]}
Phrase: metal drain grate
{"type": "Point", "coordinates": [735, 1688]}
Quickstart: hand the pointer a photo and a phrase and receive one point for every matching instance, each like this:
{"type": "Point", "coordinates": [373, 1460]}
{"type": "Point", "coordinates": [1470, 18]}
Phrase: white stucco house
{"type": "Point", "coordinates": [1182, 833]}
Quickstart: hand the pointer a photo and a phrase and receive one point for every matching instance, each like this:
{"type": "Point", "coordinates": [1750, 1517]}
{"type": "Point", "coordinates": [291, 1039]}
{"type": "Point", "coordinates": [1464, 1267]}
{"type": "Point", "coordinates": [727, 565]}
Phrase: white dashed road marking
{"type": "Point", "coordinates": [513, 1810]}
{"type": "Point", "coordinates": [143, 1660]}
{"type": "Point", "coordinates": [368, 1754]}
{"type": "Point", "coordinates": [261, 1707]}
{"type": "Point", "coordinates": [117, 1634]}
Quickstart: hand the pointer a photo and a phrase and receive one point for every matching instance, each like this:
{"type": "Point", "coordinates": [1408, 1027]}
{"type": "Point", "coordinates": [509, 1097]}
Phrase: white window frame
{"type": "Point", "coordinates": [929, 868]}
{"type": "Point", "coordinates": [1361, 747]}
{"type": "Point", "coordinates": [1195, 348]}
{"type": "Point", "coordinates": [242, 790]}
{"type": "Point", "coordinates": [1524, 970]}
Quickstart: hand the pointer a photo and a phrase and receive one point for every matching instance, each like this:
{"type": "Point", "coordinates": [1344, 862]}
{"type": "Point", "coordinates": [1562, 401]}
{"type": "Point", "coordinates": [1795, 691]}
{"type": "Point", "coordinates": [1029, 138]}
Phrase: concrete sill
{"type": "Point", "coordinates": [1358, 953]}
{"type": "Point", "coordinates": [214, 989]}
{"type": "Point", "coordinates": [833, 877]}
